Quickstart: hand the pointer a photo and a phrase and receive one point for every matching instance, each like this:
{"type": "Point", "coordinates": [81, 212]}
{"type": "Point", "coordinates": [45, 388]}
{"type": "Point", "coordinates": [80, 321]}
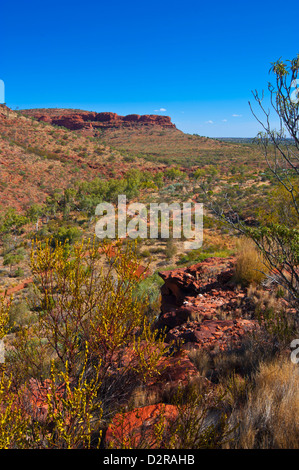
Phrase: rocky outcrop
{"type": "Point", "coordinates": [138, 428]}
{"type": "Point", "coordinates": [78, 120]}
{"type": "Point", "coordinates": [201, 307]}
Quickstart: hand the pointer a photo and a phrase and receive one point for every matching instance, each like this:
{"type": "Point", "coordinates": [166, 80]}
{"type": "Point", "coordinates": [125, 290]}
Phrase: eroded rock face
{"type": "Point", "coordinates": [77, 120]}
{"type": "Point", "coordinates": [136, 428]}
{"type": "Point", "coordinates": [202, 308]}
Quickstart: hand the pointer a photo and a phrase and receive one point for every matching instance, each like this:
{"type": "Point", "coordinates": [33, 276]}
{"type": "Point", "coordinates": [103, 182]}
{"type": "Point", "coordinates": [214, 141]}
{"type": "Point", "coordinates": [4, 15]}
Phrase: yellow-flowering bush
{"type": "Point", "coordinates": [87, 297]}
{"type": "Point", "coordinates": [75, 416]}
{"type": "Point", "coordinates": [94, 332]}
{"type": "Point", "coordinates": [13, 420]}
{"type": "Point", "coordinates": [4, 317]}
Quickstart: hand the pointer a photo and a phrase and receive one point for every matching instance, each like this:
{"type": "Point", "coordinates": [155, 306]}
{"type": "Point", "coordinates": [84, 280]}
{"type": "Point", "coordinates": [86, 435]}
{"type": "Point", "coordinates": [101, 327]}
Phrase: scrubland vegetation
{"type": "Point", "coordinates": [79, 321]}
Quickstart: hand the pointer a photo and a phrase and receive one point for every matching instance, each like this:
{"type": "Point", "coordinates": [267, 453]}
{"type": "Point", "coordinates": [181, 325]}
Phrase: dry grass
{"type": "Point", "coordinates": [250, 268]}
{"type": "Point", "coordinates": [172, 146]}
{"type": "Point", "coordinates": [143, 397]}
{"type": "Point", "coordinates": [270, 417]}
{"type": "Point", "coordinates": [272, 314]}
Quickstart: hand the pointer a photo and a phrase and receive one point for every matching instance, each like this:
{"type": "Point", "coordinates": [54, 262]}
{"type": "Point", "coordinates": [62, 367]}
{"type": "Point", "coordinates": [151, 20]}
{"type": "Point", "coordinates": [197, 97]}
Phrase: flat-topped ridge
{"type": "Point", "coordinates": [77, 119]}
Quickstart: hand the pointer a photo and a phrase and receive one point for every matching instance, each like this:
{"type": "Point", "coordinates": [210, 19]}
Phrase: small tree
{"type": "Point", "coordinates": [279, 240]}
{"type": "Point", "coordinates": [11, 222]}
{"type": "Point", "coordinates": [281, 147]}
{"type": "Point", "coordinates": [34, 213]}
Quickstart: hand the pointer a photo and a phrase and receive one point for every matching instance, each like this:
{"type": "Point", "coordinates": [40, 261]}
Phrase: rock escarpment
{"type": "Point", "coordinates": [85, 120]}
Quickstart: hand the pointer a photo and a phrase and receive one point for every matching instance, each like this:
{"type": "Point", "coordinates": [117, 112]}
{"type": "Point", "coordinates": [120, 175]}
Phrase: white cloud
{"type": "Point", "coordinates": [210, 122]}
{"type": "Point", "coordinates": [236, 115]}
{"type": "Point", "coordinates": [161, 109]}
{"type": "Point", "coordinates": [224, 120]}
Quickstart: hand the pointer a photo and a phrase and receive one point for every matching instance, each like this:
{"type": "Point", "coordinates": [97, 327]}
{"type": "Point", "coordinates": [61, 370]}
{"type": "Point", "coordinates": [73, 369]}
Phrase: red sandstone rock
{"type": "Point", "coordinates": [35, 398]}
{"type": "Point", "coordinates": [77, 119]}
{"type": "Point", "coordinates": [136, 429]}
{"type": "Point", "coordinates": [174, 371]}
{"type": "Point", "coordinates": [195, 298]}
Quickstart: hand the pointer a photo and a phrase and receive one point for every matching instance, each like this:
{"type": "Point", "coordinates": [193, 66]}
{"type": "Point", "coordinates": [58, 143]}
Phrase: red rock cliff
{"type": "Point", "coordinates": [76, 119]}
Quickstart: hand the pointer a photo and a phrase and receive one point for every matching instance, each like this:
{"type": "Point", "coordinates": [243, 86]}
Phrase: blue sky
{"type": "Point", "coordinates": [194, 61]}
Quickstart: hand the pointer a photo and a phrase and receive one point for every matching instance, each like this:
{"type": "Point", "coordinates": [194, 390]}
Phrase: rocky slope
{"type": "Point", "coordinates": [154, 137]}
{"type": "Point", "coordinates": [201, 307]}
{"type": "Point", "coordinates": [37, 159]}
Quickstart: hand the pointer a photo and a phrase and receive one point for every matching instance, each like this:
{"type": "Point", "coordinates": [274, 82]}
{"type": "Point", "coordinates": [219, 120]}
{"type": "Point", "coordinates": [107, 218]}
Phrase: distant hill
{"type": "Point", "coordinates": [37, 159]}
{"type": "Point", "coordinates": [91, 122]}
{"type": "Point", "coordinates": [152, 137]}
{"type": "Point", "coordinates": [48, 150]}
{"type": "Point", "coordinates": [235, 140]}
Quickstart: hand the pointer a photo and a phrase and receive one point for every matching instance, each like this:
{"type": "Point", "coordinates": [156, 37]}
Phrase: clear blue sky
{"type": "Point", "coordinates": [192, 60]}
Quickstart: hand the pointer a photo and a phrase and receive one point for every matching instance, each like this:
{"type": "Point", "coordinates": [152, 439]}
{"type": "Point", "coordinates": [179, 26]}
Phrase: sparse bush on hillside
{"type": "Point", "coordinates": [13, 258]}
{"type": "Point", "coordinates": [61, 232]}
{"type": "Point", "coordinates": [280, 208]}
{"type": "Point", "coordinates": [12, 222]}
{"type": "Point", "coordinates": [174, 173]}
